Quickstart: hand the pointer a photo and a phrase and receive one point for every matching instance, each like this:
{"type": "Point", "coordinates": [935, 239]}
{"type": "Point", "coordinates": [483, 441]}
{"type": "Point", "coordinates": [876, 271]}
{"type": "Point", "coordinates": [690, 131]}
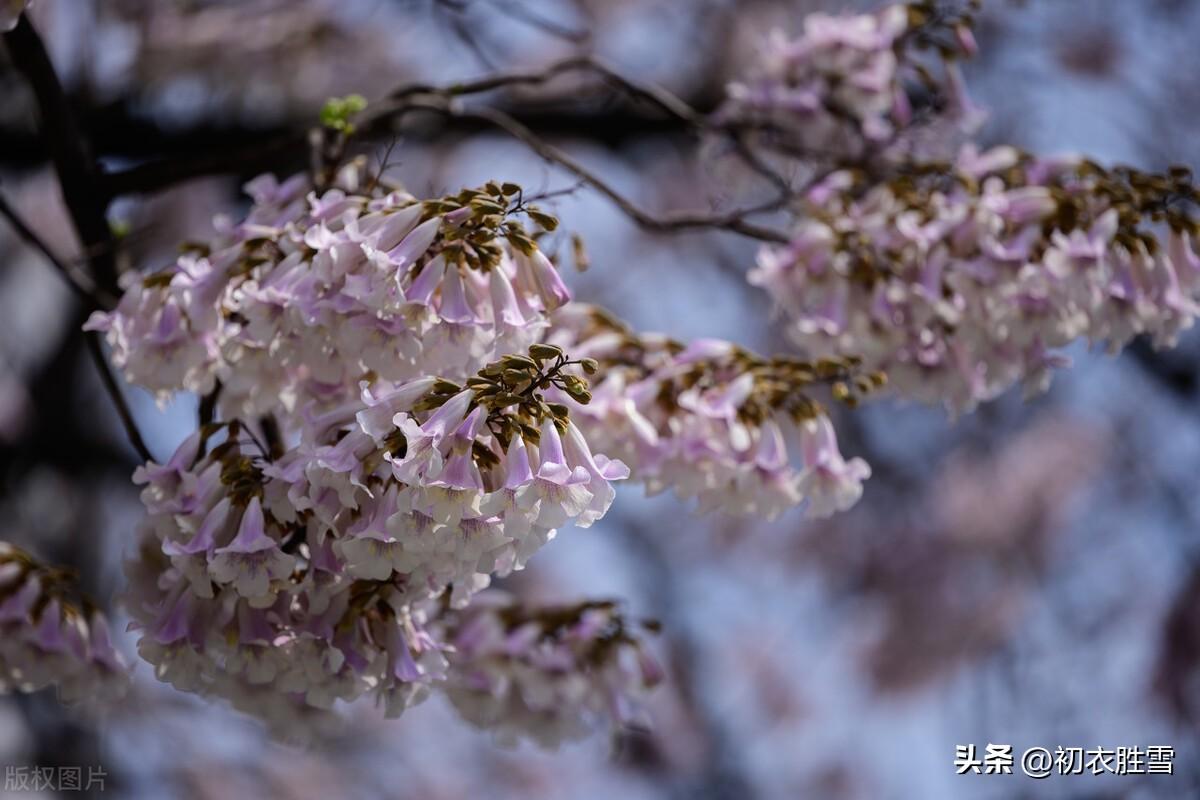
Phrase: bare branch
{"type": "Point", "coordinates": [657, 96]}
{"type": "Point", "coordinates": [79, 180]}
{"type": "Point", "coordinates": [534, 19]}
{"type": "Point", "coordinates": [735, 221]}
{"type": "Point", "coordinates": [162, 173]}
{"type": "Point", "coordinates": [81, 283]}
{"type": "Point", "coordinates": [96, 350]}
{"type": "Point", "coordinates": [442, 100]}
{"type": "Point", "coordinates": [454, 9]}
{"type": "Point", "coordinates": [77, 172]}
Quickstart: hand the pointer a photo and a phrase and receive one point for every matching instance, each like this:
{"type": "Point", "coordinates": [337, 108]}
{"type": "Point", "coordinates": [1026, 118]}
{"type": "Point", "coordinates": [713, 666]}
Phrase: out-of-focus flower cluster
{"type": "Point", "coordinates": [850, 85]}
{"type": "Point", "coordinates": [546, 674]}
{"type": "Point", "coordinates": [712, 420]}
{"type": "Point", "coordinates": [960, 280]}
{"type": "Point", "coordinates": [52, 635]}
{"type": "Point", "coordinates": [958, 272]}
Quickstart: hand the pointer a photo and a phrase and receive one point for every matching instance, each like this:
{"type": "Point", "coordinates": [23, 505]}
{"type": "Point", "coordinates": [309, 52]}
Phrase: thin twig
{"type": "Point", "coordinates": [534, 19]}
{"type": "Point", "coordinates": [384, 164]}
{"type": "Point", "coordinates": [76, 170]}
{"type": "Point", "coordinates": [734, 221]}
{"type": "Point", "coordinates": [454, 11]}
{"type": "Point", "coordinates": [96, 350]}
{"type": "Point", "coordinates": [553, 193]}
{"type": "Point", "coordinates": [78, 178]}
{"type": "Point", "coordinates": [79, 282]}
{"type": "Point", "coordinates": [657, 96]}
{"type": "Point", "coordinates": [441, 99]}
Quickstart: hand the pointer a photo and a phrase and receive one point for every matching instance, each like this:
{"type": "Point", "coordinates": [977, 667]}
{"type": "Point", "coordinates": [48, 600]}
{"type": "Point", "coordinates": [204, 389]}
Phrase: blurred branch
{"type": "Point", "coordinates": [457, 12]}
{"type": "Point", "coordinates": [78, 179]}
{"type": "Point", "coordinates": [1180, 378]}
{"type": "Point", "coordinates": [454, 11]}
{"type": "Point", "coordinates": [166, 172]}
{"type": "Point", "coordinates": [724, 777]}
{"type": "Point", "coordinates": [80, 283]}
{"type": "Point", "coordinates": [657, 96]}
{"type": "Point", "coordinates": [534, 19]}
{"type": "Point", "coordinates": [95, 349]}
{"type": "Point", "coordinates": [77, 172]}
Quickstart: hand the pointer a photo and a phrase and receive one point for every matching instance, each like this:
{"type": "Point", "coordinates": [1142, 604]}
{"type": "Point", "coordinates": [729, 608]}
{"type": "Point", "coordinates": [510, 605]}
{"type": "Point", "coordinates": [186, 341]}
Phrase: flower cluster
{"type": "Point", "coordinates": [711, 420]}
{"type": "Point", "coordinates": [314, 292]}
{"type": "Point", "coordinates": [391, 420]}
{"type": "Point", "coordinates": [291, 580]}
{"type": "Point", "coordinates": [960, 280]}
{"type": "Point", "coordinates": [51, 635]}
{"type": "Point", "coordinates": [547, 674]}
{"type": "Point", "coordinates": [851, 84]}
{"type": "Point", "coordinates": [302, 546]}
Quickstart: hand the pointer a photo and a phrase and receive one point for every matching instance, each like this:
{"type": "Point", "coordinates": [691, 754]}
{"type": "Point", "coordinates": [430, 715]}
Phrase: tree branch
{"type": "Point", "coordinates": [442, 100]}
{"type": "Point", "coordinates": [77, 173]}
{"type": "Point", "coordinates": [81, 283]}
{"type": "Point", "coordinates": [95, 349]}
{"type": "Point", "coordinates": [78, 179]}
{"type": "Point", "coordinates": [735, 221]}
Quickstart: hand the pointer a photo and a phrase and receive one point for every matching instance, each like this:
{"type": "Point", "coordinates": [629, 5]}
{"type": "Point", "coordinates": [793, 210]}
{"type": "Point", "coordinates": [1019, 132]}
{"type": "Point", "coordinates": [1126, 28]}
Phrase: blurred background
{"type": "Point", "coordinates": [1027, 575]}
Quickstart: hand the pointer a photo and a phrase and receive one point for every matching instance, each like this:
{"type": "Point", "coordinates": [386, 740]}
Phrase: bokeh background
{"type": "Point", "coordinates": [1029, 574]}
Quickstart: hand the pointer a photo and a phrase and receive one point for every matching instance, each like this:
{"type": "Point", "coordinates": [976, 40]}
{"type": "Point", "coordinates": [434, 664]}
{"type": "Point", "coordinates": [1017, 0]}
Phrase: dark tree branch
{"type": "Point", "coordinates": [80, 283]}
{"type": "Point", "coordinates": [734, 221]}
{"type": "Point", "coordinates": [249, 152]}
{"type": "Point", "coordinates": [95, 348]}
{"type": "Point", "coordinates": [166, 172]}
{"type": "Point", "coordinates": [389, 114]}
{"type": "Point", "coordinates": [96, 351]}
{"type": "Point", "coordinates": [78, 175]}
{"type": "Point", "coordinates": [1180, 378]}
{"type": "Point", "coordinates": [78, 179]}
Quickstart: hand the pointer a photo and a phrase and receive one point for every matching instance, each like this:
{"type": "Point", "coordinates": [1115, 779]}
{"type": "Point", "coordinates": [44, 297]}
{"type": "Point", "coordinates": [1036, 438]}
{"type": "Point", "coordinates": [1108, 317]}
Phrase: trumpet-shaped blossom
{"type": "Point", "coordinates": [708, 420]}
{"type": "Point", "coordinates": [296, 580]}
{"type": "Point", "coordinates": [294, 305]}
